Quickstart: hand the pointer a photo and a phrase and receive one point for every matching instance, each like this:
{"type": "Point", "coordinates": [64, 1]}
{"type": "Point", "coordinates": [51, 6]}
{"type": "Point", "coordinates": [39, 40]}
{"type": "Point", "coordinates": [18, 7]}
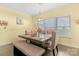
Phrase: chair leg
{"type": "Point", "coordinates": [53, 52]}
{"type": "Point", "coordinates": [57, 49]}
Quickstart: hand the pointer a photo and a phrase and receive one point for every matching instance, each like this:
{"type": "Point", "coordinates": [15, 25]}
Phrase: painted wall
{"type": "Point", "coordinates": [73, 11]}
{"type": "Point", "coordinates": [12, 31]}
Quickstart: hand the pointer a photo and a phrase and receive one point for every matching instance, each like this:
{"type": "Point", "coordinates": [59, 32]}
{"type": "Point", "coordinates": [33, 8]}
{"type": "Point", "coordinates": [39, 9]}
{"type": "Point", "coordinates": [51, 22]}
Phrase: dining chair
{"type": "Point", "coordinates": [53, 43]}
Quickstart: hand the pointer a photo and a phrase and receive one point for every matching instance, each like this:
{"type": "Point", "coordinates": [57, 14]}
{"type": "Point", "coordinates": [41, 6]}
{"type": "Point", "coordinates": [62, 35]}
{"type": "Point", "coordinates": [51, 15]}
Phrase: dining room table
{"type": "Point", "coordinates": [41, 41]}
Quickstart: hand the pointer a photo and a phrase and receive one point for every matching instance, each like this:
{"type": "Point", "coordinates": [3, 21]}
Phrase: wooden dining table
{"type": "Point", "coordinates": [39, 41]}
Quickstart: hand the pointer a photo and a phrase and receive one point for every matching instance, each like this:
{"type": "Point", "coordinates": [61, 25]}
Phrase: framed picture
{"type": "Point", "coordinates": [18, 21]}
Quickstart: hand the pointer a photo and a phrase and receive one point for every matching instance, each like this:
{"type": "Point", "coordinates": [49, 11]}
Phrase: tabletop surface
{"type": "Point", "coordinates": [40, 38]}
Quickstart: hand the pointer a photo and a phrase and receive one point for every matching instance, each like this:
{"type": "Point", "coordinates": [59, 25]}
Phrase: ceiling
{"type": "Point", "coordinates": [33, 8]}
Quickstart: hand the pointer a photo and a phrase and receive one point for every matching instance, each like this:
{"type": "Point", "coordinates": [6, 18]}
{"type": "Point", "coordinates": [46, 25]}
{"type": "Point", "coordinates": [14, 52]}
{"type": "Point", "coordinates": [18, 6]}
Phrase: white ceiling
{"type": "Point", "coordinates": [33, 8]}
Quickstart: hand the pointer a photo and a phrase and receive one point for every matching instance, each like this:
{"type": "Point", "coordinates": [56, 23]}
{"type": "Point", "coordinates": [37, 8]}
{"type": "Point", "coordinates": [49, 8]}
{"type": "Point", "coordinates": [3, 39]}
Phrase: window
{"type": "Point", "coordinates": [61, 24]}
{"type": "Point", "coordinates": [50, 23]}
{"type": "Point", "coordinates": [64, 26]}
{"type": "Point", "coordinates": [47, 24]}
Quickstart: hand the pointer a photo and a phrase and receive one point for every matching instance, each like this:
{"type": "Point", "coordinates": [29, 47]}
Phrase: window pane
{"type": "Point", "coordinates": [64, 26]}
{"type": "Point", "coordinates": [50, 23]}
{"type": "Point", "coordinates": [63, 21]}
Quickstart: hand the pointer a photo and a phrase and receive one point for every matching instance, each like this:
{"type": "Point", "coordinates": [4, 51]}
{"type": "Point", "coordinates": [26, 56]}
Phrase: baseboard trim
{"type": "Point", "coordinates": [72, 46]}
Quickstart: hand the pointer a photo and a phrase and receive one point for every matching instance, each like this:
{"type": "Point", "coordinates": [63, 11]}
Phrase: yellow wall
{"type": "Point", "coordinates": [13, 30]}
{"type": "Point", "coordinates": [73, 11]}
